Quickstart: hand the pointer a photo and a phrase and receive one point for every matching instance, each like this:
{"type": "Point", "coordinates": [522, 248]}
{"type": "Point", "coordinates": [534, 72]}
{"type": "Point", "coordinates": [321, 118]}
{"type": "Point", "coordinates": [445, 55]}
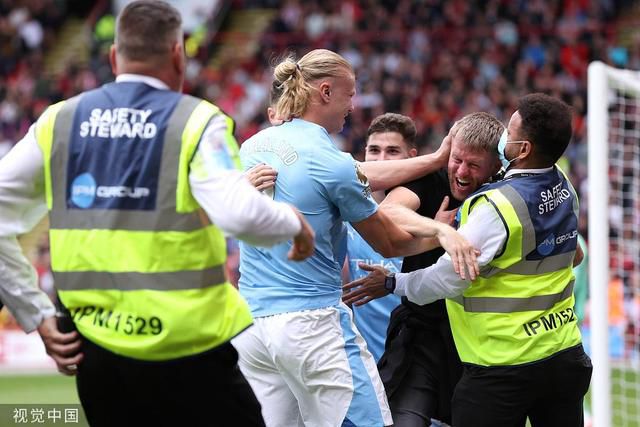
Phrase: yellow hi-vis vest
{"type": "Point", "coordinates": [150, 285]}
{"type": "Point", "coordinates": [518, 311]}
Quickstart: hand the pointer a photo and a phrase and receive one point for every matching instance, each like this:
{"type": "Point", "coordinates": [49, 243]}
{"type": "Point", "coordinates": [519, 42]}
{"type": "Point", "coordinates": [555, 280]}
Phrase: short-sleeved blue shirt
{"type": "Point", "coordinates": [372, 319]}
{"type": "Point", "coordinates": [326, 185]}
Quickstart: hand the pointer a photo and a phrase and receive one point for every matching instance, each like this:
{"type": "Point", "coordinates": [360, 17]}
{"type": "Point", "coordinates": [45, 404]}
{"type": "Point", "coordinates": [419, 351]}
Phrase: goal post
{"type": "Point", "coordinates": [613, 126]}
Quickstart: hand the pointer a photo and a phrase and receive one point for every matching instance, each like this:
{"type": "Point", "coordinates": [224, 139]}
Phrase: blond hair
{"type": "Point", "coordinates": [295, 79]}
{"type": "Point", "coordinates": [479, 131]}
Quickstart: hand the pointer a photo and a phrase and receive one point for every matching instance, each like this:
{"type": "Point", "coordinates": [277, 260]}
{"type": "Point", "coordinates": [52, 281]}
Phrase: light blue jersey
{"type": "Point", "coordinates": [328, 188]}
{"type": "Point", "coordinates": [371, 319]}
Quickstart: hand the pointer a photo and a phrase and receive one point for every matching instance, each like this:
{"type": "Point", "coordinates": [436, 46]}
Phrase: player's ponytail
{"type": "Point", "coordinates": [295, 90]}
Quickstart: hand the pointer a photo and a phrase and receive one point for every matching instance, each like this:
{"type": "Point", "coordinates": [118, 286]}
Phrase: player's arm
{"type": "Point", "coordinates": [235, 206]}
{"type": "Point", "coordinates": [391, 173]}
{"type": "Point", "coordinates": [389, 240]}
{"type": "Point", "coordinates": [386, 238]}
{"type": "Point", "coordinates": [409, 220]}
{"type": "Point", "coordinates": [484, 229]}
{"type": "Point", "coordinates": [401, 204]}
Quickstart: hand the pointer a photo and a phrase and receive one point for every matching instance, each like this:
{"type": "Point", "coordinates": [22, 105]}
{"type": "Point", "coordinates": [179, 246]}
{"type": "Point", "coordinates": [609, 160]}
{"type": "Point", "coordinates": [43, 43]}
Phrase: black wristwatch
{"type": "Point", "coordinates": [390, 282]}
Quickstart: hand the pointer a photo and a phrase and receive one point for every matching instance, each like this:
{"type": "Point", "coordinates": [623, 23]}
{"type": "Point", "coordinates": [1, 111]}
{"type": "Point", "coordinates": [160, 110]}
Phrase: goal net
{"type": "Point", "coordinates": [614, 250]}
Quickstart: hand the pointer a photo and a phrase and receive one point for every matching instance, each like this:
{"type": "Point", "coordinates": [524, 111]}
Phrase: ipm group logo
{"type": "Point", "coordinates": [83, 190]}
{"type": "Point", "coordinates": [547, 246]}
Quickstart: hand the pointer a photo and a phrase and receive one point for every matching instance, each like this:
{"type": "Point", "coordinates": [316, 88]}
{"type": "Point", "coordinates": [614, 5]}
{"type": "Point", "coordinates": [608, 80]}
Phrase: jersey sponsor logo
{"type": "Point", "coordinates": [382, 262]}
{"type": "Point", "coordinates": [119, 123]}
{"type": "Point", "coordinates": [549, 322]}
{"type": "Point", "coordinates": [552, 198]}
{"type": "Point", "coordinates": [84, 191]}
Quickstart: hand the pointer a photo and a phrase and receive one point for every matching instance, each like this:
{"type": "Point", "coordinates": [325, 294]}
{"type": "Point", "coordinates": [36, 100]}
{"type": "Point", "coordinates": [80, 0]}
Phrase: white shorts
{"type": "Point", "coordinates": [312, 368]}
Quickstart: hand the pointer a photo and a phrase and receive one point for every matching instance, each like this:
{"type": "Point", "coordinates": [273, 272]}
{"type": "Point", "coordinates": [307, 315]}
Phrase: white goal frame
{"type": "Point", "coordinates": [599, 77]}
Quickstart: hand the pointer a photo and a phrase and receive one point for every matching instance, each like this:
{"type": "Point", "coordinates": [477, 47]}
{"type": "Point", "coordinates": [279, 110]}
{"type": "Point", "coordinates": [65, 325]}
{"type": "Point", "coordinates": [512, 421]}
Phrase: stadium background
{"type": "Point", "coordinates": [429, 59]}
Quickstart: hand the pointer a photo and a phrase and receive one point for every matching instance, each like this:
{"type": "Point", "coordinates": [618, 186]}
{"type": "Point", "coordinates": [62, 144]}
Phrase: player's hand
{"type": "Point", "coordinates": [443, 215]}
{"type": "Point", "coordinates": [64, 349]}
{"type": "Point", "coordinates": [463, 254]}
{"type": "Point", "coordinates": [304, 243]}
{"type": "Point", "coordinates": [262, 176]}
{"type": "Point", "coordinates": [367, 288]}
{"type": "Point", "coordinates": [445, 147]}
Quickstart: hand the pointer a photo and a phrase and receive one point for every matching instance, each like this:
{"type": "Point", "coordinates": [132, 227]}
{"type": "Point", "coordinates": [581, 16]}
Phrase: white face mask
{"type": "Point", "coordinates": [502, 145]}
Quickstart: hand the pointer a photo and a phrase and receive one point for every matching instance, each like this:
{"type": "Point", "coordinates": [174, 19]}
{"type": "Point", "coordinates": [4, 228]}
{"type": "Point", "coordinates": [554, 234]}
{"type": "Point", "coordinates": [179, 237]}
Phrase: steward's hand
{"type": "Point", "coordinates": [304, 243]}
{"type": "Point", "coordinates": [262, 176]}
{"type": "Point", "coordinates": [463, 254]}
{"type": "Point", "coordinates": [368, 288]}
{"type": "Point", "coordinates": [63, 348]}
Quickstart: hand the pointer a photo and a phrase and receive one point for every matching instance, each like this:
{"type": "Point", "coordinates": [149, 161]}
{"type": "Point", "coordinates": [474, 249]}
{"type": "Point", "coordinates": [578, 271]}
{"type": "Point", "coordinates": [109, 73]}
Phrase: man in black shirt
{"type": "Point", "coordinates": [420, 366]}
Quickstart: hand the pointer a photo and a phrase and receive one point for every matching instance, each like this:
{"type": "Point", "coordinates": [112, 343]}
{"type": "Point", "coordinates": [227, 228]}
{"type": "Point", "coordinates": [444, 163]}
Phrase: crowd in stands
{"type": "Point", "coordinates": [432, 60]}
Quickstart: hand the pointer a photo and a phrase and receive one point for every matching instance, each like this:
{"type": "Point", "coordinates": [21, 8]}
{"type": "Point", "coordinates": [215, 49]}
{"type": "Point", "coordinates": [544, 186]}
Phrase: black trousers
{"type": "Point", "coordinates": [420, 369]}
{"type": "Point", "coordinates": [206, 389]}
{"type": "Point", "coordinates": [549, 392]}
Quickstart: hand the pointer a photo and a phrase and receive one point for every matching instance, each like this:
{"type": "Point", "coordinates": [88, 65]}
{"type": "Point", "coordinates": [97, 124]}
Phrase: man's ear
{"type": "Point", "coordinates": [178, 57]}
{"type": "Point", "coordinates": [113, 60]}
{"type": "Point", "coordinates": [526, 150]}
{"type": "Point", "coordinates": [325, 91]}
{"type": "Point", "coordinates": [413, 152]}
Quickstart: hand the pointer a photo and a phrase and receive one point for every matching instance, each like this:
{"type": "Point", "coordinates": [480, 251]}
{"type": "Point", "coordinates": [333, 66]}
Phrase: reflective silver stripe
{"type": "Point", "coordinates": [170, 164]}
{"type": "Point", "coordinates": [85, 219]}
{"type": "Point", "coordinates": [534, 267]}
{"type": "Point", "coordinates": [528, 267]}
{"type": "Point", "coordinates": [546, 265]}
{"type": "Point", "coordinates": [562, 175]}
{"type": "Point", "coordinates": [59, 156]}
{"type": "Point", "coordinates": [131, 281]}
{"type": "Point", "coordinates": [163, 218]}
{"type": "Point", "coordinates": [512, 305]}
{"type": "Point", "coordinates": [522, 211]}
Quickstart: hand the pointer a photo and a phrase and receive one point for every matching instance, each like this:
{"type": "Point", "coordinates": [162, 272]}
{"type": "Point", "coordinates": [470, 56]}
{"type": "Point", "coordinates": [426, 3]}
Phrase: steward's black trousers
{"type": "Point", "coordinates": [206, 389]}
{"type": "Point", "coordinates": [549, 392]}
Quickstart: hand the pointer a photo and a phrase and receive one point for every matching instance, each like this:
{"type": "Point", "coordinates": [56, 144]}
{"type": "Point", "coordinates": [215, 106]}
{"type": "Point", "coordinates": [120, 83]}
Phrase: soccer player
{"type": "Point", "coordinates": [303, 357]}
{"type": "Point", "coordinates": [390, 136]}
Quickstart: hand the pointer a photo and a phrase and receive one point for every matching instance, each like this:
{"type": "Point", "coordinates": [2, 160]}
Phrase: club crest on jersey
{"type": "Point", "coordinates": [366, 192]}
